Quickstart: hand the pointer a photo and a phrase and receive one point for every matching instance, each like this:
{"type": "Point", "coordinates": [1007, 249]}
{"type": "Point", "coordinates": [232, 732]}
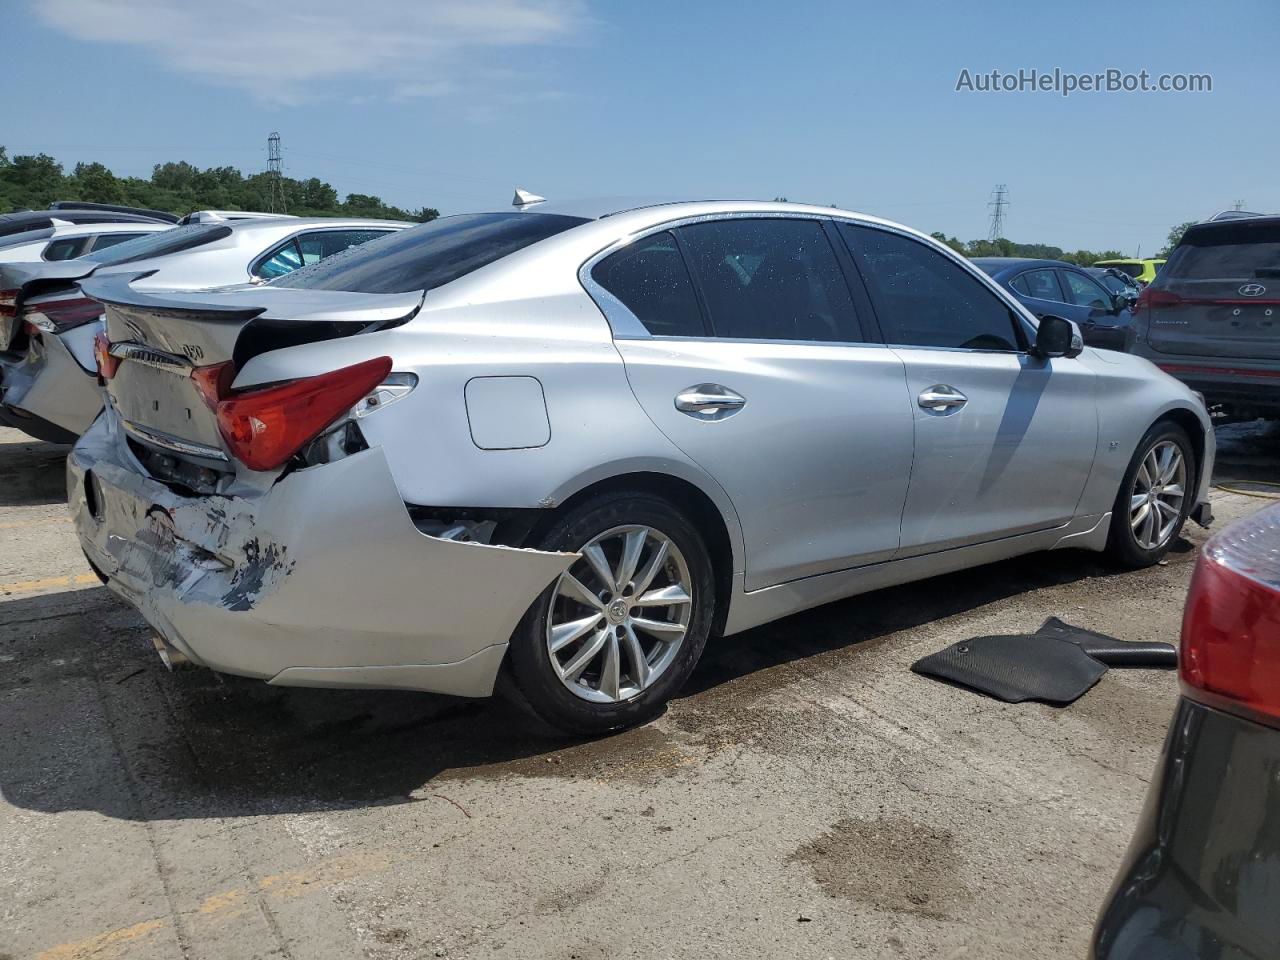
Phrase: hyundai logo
{"type": "Point", "coordinates": [1252, 290]}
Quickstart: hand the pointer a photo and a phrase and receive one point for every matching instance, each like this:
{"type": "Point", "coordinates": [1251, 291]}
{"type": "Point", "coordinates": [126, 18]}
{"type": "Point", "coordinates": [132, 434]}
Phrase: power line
{"type": "Point", "coordinates": [997, 203]}
{"type": "Point", "coordinates": [275, 196]}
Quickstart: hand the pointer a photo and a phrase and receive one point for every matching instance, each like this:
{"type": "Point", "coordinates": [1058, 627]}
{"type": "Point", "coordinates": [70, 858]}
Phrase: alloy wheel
{"type": "Point", "coordinates": [619, 615]}
{"type": "Point", "coordinates": [1159, 487]}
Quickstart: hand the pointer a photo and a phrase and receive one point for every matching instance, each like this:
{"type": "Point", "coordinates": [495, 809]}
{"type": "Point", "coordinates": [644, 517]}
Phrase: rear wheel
{"type": "Point", "coordinates": [619, 632]}
{"type": "Point", "coordinates": [1155, 497]}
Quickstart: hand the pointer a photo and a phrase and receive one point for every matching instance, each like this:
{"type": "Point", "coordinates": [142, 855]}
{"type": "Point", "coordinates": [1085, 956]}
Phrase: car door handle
{"type": "Point", "coordinates": [942, 397]}
{"type": "Point", "coordinates": [709, 401]}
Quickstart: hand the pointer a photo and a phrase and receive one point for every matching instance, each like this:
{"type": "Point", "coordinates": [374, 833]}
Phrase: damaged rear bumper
{"type": "Point", "coordinates": [322, 580]}
{"type": "Point", "coordinates": [47, 392]}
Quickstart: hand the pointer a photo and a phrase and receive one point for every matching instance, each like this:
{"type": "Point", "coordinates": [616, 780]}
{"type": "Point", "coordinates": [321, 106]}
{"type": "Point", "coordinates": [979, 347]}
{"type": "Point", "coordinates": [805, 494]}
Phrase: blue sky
{"type": "Point", "coordinates": [452, 104]}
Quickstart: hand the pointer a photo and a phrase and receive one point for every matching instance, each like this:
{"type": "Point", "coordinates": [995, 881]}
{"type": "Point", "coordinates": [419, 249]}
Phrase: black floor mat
{"type": "Point", "coordinates": [1057, 664]}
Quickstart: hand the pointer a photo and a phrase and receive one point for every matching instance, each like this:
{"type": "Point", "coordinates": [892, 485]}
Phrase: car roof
{"type": "Point", "coordinates": [1000, 264]}
{"type": "Point", "coordinates": [302, 223]}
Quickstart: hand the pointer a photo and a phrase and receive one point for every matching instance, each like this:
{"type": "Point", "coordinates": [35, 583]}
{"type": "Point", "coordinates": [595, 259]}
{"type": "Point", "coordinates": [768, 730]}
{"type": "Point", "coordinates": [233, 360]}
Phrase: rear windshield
{"type": "Point", "coordinates": [1132, 269]}
{"type": "Point", "coordinates": [1236, 250]}
{"type": "Point", "coordinates": [430, 255]}
{"type": "Point", "coordinates": [160, 244]}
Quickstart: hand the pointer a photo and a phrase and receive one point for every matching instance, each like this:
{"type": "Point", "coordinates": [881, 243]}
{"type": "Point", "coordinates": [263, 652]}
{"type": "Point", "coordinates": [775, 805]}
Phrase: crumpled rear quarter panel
{"type": "Point", "coordinates": [326, 569]}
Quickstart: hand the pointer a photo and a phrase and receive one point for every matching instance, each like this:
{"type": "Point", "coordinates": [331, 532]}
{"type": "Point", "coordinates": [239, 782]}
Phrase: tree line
{"type": "Point", "coordinates": [1043, 251]}
{"type": "Point", "coordinates": [33, 181]}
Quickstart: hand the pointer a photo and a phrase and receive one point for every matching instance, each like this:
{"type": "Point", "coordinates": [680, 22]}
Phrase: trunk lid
{"type": "Point", "coordinates": [160, 338]}
{"type": "Point", "coordinates": [1219, 294]}
{"type": "Point", "coordinates": [21, 281]}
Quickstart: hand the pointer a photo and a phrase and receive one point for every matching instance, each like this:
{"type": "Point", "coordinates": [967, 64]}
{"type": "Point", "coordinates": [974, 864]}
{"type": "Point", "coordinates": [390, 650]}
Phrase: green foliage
{"type": "Point", "coordinates": [35, 181]}
{"type": "Point", "coordinates": [1039, 251]}
{"type": "Point", "coordinates": [1174, 238]}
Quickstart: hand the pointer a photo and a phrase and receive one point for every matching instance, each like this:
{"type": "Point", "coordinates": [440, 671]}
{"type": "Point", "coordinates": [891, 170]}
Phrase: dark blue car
{"type": "Point", "coordinates": [1064, 290]}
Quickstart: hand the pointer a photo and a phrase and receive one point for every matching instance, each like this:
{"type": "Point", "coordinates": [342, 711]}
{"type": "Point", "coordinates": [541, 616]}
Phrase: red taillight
{"type": "Point", "coordinates": [9, 303]}
{"type": "Point", "coordinates": [266, 426]}
{"type": "Point", "coordinates": [55, 316]}
{"type": "Point", "coordinates": [1151, 297]}
{"type": "Point", "coordinates": [107, 364]}
{"type": "Point", "coordinates": [1231, 627]}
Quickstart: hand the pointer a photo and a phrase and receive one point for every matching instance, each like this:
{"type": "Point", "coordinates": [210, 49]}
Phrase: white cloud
{"type": "Point", "coordinates": [289, 52]}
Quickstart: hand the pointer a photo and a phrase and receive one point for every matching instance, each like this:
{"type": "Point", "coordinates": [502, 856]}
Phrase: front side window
{"type": "Point", "coordinates": [1040, 284]}
{"type": "Point", "coordinates": [649, 278]}
{"type": "Point", "coordinates": [925, 299]}
{"type": "Point", "coordinates": [771, 279]}
{"type": "Point", "coordinates": [1083, 292]}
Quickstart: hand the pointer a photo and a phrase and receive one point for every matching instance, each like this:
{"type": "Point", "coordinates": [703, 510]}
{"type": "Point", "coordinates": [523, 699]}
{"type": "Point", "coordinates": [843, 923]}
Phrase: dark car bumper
{"type": "Point", "coordinates": [1251, 390]}
{"type": "Point", "coordinates": [1202, 874]}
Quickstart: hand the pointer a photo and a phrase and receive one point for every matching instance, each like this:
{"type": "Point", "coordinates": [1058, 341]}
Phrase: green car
{"type": "Point", "coordinates": [1144, 271]}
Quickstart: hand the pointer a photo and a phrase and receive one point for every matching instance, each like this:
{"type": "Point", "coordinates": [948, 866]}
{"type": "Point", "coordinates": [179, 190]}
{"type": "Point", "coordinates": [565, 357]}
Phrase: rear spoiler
{"type": "Point", "coordinates": [27, 278]}
{"type": "Point", "coordinates": [238, 322]}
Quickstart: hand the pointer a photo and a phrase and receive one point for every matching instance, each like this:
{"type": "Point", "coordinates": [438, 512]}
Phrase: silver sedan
{"type": "Point", "coordinates": [564, 447]}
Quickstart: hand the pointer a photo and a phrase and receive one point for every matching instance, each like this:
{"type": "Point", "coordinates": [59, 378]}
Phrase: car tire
{"type": "Point", "coordinates": [1135, 540]}
{"type": "Point", "coordinates": [612, 691]}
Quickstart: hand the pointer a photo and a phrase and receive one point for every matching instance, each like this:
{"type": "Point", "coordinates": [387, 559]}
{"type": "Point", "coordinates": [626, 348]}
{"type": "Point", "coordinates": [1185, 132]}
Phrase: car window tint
{"type": "Point", "coordinates": [285, 259]}
{"type": "Point", "coordinates": [771, 279]}
{"type": "Point", "coordinates": [1235, 250]}
{"type": "Point", "coordinates": [924, 298]}
{"type": "Point", "coordinates": [161, 243]}
{"type": "Point", "coordinates": [649, 278]}
{"type": "Point", "coordinates": [431, 254]}
{"type": "Point", "coordinates": [1041, 284]}
{"type": "Point", "coordinates": [325, 243]}
{"type": "Point", "coordinates": [67, 248]}
{"type": "Point", "coordinates": [1083, 292]}
{"type": "Point", "coordinates": [104, 240]}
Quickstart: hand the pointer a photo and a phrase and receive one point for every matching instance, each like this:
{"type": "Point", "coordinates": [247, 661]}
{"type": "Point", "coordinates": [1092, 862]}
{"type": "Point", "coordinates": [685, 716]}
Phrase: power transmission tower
{"type": "Point", "coordinates": [1239, 205]}
{"type": "Point", "coordinates": [275, 197]}
{"type": "Point", "coordinates": [999, 200]}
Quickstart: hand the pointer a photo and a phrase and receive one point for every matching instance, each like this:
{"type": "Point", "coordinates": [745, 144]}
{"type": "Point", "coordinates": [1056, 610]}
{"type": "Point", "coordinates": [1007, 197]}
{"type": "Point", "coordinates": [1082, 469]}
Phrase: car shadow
{"type": "Point", "coordinates": [32, 472]}
{"type": "Point", "coordinates": [90, 720]}
{"type": "Point", "coordinates": [1248, 453]}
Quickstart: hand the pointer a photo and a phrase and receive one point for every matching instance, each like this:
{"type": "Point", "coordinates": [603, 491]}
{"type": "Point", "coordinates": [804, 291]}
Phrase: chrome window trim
{"type": "Point", "coordinates": [625, 325]}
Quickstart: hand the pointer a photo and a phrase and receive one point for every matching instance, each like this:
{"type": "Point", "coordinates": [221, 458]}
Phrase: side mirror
{"type": "Point", "coordinates": [1058, 337]}
{"type": "Point", "coordinates": [1119, 303]}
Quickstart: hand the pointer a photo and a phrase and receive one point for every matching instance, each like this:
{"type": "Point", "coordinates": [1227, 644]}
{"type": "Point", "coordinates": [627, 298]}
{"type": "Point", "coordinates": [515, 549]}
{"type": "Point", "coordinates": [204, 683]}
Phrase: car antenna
{"type": "Point", "coordinates": [524, 198]}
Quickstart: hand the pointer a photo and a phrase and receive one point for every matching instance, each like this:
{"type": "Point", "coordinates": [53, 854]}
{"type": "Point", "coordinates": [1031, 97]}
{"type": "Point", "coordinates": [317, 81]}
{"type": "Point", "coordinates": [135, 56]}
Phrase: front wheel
{"type": "Point", "coordinates": [1155, 497]}
{"type": "Point", "coordinates": [619, 632]}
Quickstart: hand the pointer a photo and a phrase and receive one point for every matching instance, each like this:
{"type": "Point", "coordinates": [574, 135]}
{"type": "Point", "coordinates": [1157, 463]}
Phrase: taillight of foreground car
{"type": "Point", "coordinates": [1230, 655]}
{"type": "Point", "coordinates": [9, 303]}
{"type": "Point", "coordinates": [59, 316]}
{"type": "Point", "coordinates": [264, 426]}
{"type": "Point", "coordinates": [1151, 297]}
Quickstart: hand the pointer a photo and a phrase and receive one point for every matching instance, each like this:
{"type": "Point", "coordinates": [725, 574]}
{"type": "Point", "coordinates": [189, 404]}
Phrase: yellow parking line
{"type": "Point", "coordinates": [27, 586]}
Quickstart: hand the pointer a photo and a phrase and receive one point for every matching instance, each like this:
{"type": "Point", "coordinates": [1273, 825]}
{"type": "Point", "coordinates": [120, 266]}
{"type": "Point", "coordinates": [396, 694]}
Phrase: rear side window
{"type": "Point", "coordinates": [161, 243]}
{"type": "Point", "coordinates": [285, 259]}
{"type": "Point", "coordinates": [771, 279]}
{"type": "Point", "coordinates": [650, 279]}
{"type": "Point", "coordinates": [104, 240]}
{"type": "Point", "coordinates": [430, 255]}
{"type": "Point", "coordinates": [1040, 284]}
{"type": "Point", "coordinates": [1083, 292]}
{"type": "Point", "coordinates": [309, 248]}
{"type": "Point", "coordinates": [925, 299]}
{"type": "Point", "coordinates": [1237, 250]}
{"type": "Point", "coordinates": [67, 248]}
